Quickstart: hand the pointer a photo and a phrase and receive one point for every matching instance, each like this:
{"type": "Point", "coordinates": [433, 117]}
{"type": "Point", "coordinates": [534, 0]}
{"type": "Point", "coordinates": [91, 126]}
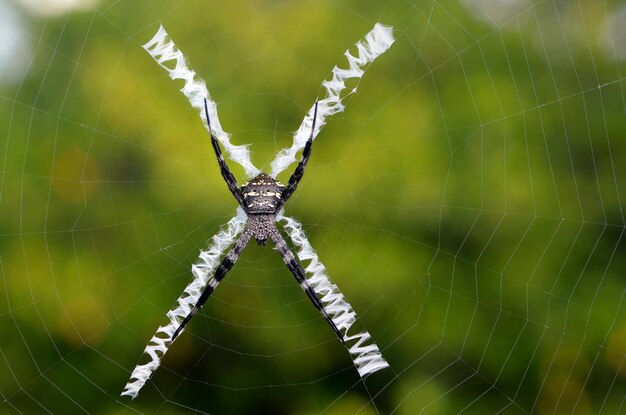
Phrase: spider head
{"type": "Point", "coordinates": [262, 195]}
{"type": "Point", "coordinates": [261, 226]}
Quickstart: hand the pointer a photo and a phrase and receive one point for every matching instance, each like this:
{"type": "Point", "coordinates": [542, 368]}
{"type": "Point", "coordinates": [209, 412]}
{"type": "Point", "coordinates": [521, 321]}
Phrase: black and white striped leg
{"type": "Point", "coordinates": [230, 180]}
{"type": "Point", "coordinates": [297, 271]}
{"type": "Point", "coordinates": [299, 172]}
{"type": "Point", "coordinates": [227, 263]}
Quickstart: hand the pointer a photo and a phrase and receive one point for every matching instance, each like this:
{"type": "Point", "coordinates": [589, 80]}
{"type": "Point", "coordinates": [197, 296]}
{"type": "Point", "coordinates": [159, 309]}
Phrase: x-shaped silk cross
{"type": "Point", "coordinates": [365, 354]}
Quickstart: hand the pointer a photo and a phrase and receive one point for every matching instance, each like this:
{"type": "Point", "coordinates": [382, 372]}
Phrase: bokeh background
{"type": "Point", "coordinates": [469, 203]}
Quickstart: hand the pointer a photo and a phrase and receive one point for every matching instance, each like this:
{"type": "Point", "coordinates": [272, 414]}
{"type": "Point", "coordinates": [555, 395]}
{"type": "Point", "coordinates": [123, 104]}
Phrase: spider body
{"type": "Point", "coordinates": [261, 227]}
{"type": "Point", "coordinates": [262, 195]}
{"type": "Point", "coordinates": [261, 198]}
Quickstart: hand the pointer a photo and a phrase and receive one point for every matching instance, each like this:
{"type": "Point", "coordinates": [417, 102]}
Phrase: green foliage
{"type": "Point", "coordinates": [469, 203]}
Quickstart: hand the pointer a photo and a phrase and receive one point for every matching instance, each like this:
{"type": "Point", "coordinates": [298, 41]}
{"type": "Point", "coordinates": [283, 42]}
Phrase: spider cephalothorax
{"type": "Point", "coordinates": [261, 226]}
{"type": "Point", "coordinates": [261, 198]}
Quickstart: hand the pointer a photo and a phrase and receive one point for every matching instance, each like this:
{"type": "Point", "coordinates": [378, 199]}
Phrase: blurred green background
{"type": "Point", "coordinates": [468, 202]}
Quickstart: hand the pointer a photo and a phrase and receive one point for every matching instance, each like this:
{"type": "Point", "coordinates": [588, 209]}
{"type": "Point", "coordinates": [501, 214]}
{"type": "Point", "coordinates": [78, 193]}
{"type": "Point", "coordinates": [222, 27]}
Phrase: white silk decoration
{"type": "Point", "coordinates": [366, 355]}
{"type": "Point", "coordinates": [167, 55]}
{"type": "Point", "coordinates": [202, 271]}
{"type": "Point", "coordinates": [375, 43]}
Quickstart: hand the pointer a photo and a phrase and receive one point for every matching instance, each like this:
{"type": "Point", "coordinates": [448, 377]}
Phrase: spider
{"type": "Point", "coordinates": [261, 198]}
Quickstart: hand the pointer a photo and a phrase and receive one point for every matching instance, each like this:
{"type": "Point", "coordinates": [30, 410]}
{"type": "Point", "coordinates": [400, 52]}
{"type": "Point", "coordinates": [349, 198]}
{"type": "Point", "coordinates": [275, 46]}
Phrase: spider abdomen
{"type": "Point", "coordinates": [262, 194]}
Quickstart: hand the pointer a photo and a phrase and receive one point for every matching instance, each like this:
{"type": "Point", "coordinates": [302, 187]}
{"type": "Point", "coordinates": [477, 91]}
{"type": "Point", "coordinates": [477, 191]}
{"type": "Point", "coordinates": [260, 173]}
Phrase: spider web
{"type": "Point", "coordinates": [468, 203]}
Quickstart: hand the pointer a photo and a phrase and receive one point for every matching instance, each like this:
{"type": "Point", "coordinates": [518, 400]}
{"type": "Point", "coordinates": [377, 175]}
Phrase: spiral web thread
{"type": "Point", "coordinates": [366, 357]}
